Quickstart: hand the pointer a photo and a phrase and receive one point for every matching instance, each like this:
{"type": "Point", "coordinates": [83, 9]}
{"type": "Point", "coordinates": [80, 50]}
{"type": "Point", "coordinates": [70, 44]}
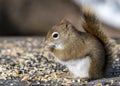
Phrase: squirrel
{"type": "Point", "coordinates": [84, 53]}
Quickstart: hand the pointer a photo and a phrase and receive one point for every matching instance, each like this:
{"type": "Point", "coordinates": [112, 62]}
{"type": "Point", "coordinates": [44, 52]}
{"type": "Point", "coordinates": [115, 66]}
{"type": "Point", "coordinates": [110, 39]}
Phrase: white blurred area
{"type": "Point", "coordinates": [108, 11]}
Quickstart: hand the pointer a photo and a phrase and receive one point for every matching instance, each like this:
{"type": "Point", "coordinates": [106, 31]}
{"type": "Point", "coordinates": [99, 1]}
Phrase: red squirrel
{"type": "Point", "coordinates": [84, 53]}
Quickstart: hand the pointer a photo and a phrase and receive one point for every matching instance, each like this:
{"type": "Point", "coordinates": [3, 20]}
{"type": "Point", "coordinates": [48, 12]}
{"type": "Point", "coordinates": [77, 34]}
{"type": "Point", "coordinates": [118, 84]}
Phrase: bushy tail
{"type": "Point", "coordinates": [92, 26]}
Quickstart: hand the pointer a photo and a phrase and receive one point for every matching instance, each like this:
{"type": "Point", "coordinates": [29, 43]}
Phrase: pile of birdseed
{"type": "Point", "coordinates": [20, 62]}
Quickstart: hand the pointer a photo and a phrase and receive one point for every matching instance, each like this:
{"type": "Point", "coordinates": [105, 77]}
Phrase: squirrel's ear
{"type": "Point", "coordinates": [65, 24]}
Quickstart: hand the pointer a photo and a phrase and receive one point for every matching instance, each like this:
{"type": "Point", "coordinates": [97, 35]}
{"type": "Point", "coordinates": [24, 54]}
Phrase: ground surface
{"type": "Point", "coordinates": [22, 65]}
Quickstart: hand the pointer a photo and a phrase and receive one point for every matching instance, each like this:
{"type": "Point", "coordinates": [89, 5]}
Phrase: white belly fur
{"type": "Point", "coordinates": [79, 67]}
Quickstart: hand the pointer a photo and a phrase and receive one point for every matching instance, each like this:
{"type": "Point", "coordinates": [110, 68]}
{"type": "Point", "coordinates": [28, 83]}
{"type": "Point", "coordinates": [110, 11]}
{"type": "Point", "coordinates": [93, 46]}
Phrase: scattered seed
{"type": "Point", "coordinates": [22, 59]}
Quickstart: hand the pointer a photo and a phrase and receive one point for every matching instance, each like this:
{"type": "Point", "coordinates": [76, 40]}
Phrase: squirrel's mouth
{"type": "Point", "coordinates": [57, 46]}
{"type": "Point", "coordinates": [48, 46]}
{"type": "Point", "coordinates": [51, 46]}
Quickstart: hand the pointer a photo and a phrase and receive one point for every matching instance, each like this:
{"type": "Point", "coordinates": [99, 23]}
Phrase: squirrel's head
{"type": "Point", "coordinates": [59, 35]}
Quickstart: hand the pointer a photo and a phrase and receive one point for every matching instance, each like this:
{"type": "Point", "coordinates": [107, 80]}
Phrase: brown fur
{"type": "Point", "coordinates": [77, 45]}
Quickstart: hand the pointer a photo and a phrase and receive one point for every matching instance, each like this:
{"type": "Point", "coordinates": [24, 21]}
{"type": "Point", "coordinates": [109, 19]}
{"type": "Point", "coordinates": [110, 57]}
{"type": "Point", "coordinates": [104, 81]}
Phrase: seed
{"type": "Point", "coordinates": [25, 79]}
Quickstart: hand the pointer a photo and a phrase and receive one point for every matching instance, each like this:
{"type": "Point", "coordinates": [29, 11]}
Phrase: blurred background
{"type": "Point", "coordinates": [36, 17]}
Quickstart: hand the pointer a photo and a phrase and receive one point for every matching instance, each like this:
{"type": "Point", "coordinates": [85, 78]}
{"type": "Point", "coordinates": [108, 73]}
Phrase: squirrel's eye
{"type": "Point", "coordinates": [55, 35]}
